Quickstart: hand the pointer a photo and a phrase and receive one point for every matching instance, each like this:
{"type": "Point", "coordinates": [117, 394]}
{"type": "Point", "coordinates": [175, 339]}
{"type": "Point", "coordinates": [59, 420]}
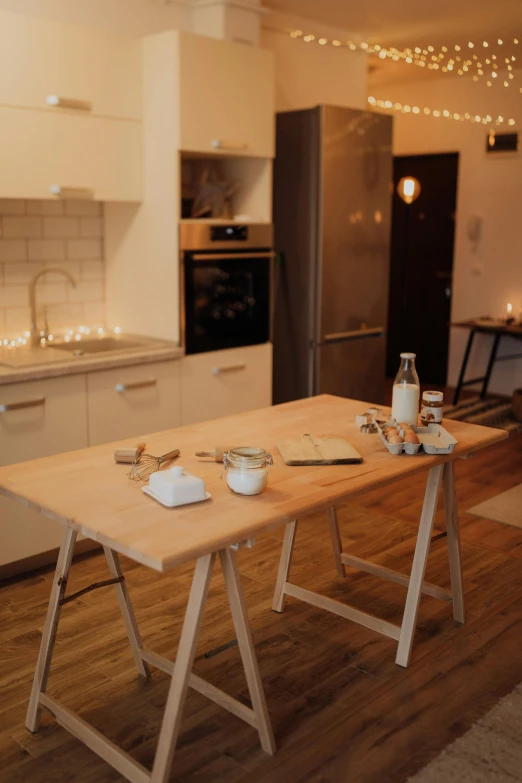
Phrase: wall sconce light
{"type": "Point", "coordinates": [409, 189]}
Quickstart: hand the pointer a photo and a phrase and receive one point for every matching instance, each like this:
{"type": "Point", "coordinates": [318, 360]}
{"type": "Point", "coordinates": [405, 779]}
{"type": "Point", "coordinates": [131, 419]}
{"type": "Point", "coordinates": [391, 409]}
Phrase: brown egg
{"type": "Point", "coordinates": [391, 431]}
{"type": "Point", "coordinates": [405, 426]}
{"type": "Point", "coordinates": [410, 437]}
{"type": "Point", "coordinates": [394, 440]}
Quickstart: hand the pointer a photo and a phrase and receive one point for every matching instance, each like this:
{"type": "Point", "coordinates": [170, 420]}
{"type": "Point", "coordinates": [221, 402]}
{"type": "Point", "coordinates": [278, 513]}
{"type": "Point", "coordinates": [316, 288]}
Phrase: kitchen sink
{"type": "Point", "coordinates": [28, 356]}
{"type": "Point", "coordinates": [99, 345]}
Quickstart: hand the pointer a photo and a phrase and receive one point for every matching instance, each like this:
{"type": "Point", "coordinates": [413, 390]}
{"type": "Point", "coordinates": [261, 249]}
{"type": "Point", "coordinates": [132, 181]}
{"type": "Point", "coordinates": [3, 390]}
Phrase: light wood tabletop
{"type": "Point", "coordinates": [89, 491]}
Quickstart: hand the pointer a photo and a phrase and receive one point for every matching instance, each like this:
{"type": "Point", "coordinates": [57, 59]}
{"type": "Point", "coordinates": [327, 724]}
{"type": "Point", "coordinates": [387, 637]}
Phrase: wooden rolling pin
{"type": "Point", "coordinates": [129, 455]}
{"type": "Point", "coordinates": [216, 454]}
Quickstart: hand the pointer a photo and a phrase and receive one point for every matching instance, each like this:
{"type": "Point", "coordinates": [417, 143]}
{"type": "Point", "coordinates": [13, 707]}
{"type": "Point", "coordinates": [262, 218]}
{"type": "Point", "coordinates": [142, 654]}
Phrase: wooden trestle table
{"type": "Point", "coordinates": [90, 494]}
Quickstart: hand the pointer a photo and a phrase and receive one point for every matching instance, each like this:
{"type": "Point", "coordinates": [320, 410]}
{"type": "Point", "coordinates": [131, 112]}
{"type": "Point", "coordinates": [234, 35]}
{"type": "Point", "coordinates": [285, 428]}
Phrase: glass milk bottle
{"type": "Point", "coordinates": [406, 391]}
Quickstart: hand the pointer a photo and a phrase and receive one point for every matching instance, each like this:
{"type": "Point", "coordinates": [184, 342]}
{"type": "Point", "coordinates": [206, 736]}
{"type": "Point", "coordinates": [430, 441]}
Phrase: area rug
{"type": "Point", "coordinates": [506, 507]}
{"type": "Point", "coordinates": [493, 412]}
{"type": "Point", "coordinates": [490, 752]}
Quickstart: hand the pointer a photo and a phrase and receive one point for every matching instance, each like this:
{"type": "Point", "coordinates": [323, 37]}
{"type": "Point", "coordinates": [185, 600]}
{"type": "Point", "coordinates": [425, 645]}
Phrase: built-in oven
{"type": "Point", "coordinates": [226, 284]}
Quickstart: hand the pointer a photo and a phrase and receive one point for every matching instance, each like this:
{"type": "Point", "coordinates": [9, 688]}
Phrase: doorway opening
{"type": "Point", "coordinates": [421, 263]}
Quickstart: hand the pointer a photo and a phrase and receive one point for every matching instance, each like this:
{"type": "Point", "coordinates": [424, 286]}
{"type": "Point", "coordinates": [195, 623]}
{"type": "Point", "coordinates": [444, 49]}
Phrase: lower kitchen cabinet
{"type": "Point", "coordinates": [37, 419]}
{"type": "Point", "coordinates": [221, 383]}
{"type": "Point", "coordinates": [132, 401]}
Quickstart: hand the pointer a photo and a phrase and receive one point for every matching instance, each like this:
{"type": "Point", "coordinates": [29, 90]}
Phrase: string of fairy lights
{"type": "Point", "coordinates": [458, 59]}
{"type": "Point", "coordinates": [488, 62]}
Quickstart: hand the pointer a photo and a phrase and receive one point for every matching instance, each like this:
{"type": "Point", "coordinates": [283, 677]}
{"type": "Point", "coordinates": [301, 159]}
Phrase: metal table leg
{"type": "Point", "coordinates": [465, 360]}
{"type": "Point", "coordinates": [491, 362]}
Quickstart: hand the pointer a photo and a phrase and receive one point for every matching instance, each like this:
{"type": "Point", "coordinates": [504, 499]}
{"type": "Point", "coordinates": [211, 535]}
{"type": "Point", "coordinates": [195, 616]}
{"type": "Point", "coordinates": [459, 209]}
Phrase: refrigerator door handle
{"type": "Point", "coordinates": [356, 334]}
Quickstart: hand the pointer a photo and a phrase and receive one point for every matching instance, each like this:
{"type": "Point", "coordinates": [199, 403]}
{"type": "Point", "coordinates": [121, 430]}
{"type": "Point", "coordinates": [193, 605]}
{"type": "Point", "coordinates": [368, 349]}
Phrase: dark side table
{"type": "Point", "coordinates": [498, 329]}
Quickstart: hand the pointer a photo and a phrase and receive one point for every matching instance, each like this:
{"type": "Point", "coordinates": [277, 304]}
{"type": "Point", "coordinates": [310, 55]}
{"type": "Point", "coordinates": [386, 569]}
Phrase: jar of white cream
{"type": "Point", "coordinates": [246, 469]}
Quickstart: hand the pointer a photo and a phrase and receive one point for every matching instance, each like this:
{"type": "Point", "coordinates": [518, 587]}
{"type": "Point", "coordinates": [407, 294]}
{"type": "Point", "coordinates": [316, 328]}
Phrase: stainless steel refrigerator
{"type": "Point", "coordinates": [332, 208]}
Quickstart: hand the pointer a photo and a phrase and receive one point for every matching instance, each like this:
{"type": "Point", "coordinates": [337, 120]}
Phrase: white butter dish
{"type": "Point", "coordinates": [175, 487]}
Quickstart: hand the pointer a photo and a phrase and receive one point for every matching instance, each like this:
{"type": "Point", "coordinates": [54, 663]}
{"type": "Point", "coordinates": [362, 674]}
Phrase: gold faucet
{"type": "Point", "coordinates": [35, 333]}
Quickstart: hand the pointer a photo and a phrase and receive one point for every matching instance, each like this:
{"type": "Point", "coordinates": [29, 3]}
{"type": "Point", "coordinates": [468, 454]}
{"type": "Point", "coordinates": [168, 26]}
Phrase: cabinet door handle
{"type": "Point", "coordinates": [71, 192]}
{"type": "Point", "coordinates": [232, 256]}
{"type": "Point", "coordinates": [16, 406]}
{"type": "Point", "coordinates": [68, 103]}
{"type": "Point", "coordinates": [356, 334]}
{"type": "Point", "coordinates": [229, 368]}
{"type": "Point", "coordinates": [123, 387]}
{"type": "Point", "coordinates": [228, 145]}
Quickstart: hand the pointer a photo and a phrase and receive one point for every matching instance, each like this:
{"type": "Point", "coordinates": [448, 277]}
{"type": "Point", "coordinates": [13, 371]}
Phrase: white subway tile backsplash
{"type": "Point", "coordinates": [94, 313]}
{"type": "Point", "coordinates": [44, 207]}
{"type": "Point", "coordinates": [64, 316]}
{"type": "Point", "coordinates": [21, 273]}
{"type": "Point", "coordinates": [85, 249]}
{"type": "Point", "coordinates": [61, 227]}
{"type": "Point", "coordinates": [13, 250]}
{"type": "Point", "coordinates": [12, 206]}
{"type": "Point", "coordinates": [91, 226]}
{"type": "Point", "coordinates": [46, 249]}
{"type": "Point", "coordinates": [88, 291]}
{"type": "Point", "coordinates": [88, 208]}
{"type": "Point", "coordinates": [13, 295]}
{"type": "Point", "coordinates": [17, 320]}
{"type": "Point", "coordinates": [93, 270]}
{"type": "Point", "coordinates": [52, 293]}
{"type": "Point", "coordinates": [21, 227]}
{"type": "Point", "coordinates": [73, 267]}
{"type": "Point", "coordinates": [38, 234]}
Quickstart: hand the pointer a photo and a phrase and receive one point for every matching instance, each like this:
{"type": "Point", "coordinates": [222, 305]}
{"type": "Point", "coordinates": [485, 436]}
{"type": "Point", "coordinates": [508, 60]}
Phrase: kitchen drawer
{"type": "Point", "coordinates": [40, 149]}
{"type": "Point", "coordinates": [40, 57]}
{"type": "Point", "coordinates": [42, 418]}
{"type": "Point", "coordinates": [133, 401]}
{"type": "Point", "coordinates": [221, 383]}
{"type": "Point", "coordinates": [53, 419]}
{"type": "Point", "coordinates": [226, 97]}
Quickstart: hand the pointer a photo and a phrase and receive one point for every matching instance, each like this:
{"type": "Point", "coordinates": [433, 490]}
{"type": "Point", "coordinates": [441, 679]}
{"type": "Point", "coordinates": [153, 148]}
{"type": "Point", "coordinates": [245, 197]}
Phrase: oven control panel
{"type": "Point", "coordinates": [228, 233]}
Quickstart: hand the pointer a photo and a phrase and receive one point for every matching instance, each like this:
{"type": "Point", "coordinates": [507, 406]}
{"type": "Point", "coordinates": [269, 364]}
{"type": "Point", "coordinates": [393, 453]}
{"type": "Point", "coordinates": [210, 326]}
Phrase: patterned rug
{"type": "Point", "coordinates": [493, 412]}
{"type": "Point", "coordinates": [490, 752]}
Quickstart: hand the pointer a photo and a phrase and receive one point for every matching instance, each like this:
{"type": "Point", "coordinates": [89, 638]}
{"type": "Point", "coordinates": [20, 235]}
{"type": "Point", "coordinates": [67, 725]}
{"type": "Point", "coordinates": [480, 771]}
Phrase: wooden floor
{"type": "Point", "coordinates": [342, 710]}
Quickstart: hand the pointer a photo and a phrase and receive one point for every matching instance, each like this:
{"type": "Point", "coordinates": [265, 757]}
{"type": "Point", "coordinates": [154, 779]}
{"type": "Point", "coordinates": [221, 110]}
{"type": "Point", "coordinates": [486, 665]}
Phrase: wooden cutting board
{"type": "Point", "coordinates": [308, 450]}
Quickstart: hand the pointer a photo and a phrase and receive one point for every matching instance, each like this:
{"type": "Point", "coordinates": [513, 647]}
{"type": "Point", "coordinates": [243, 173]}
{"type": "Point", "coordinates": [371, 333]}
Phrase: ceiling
{"type": "Point", "coordinates": [404, 23]}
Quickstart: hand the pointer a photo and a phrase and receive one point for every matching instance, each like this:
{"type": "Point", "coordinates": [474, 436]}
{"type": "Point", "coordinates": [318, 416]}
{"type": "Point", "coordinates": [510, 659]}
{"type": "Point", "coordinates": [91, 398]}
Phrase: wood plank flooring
{"type": "Point", "coordinates": [342, 710]}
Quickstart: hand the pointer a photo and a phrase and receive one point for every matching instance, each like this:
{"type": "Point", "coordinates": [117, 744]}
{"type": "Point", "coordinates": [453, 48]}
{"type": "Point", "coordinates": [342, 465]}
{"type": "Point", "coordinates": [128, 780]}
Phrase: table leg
{"type": "Point", "coordinates": [492, 358]}
{"type": "Point", "coordinates": [285, 562]}
{"type": "Point", "coordinates": [452, 526]}
{"type": "Point", "coordinates": [182, 669]}
{"type": "Point", "coordinates": [45, 655]}
{"type": "Point", "coordinates": [336, 541]}
{"type": "Point", "coordinates": [409, 620]}
{"type": "Point", "coordinates": [129, 619]}
{"type": "Point", "coordinates": [246, 648]}
{"type": "Point", "coordinates": [465, 360]}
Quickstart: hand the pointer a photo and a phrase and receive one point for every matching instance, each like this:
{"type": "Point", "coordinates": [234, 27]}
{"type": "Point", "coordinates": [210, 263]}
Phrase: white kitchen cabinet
{"type": "Point", "coordinates": [226, 97]}
{"type": "Point", "coordinates": [37, 419]}
{"type": "Point", "coordinates": [39, 149]}
{"type": "Point", "coordinates": [221, 383]}
{"type": "Point", "coordinates": [40, 57]}
{"type": "Point", "coordinates": [132, 401]}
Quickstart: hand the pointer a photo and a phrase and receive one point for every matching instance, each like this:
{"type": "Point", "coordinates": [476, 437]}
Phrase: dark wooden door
{"type": "Point", "coordinates": [421, 269]}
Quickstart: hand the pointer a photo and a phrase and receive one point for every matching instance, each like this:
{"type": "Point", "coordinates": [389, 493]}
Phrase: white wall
{"type": "Point", "coordinates": [128, 17]}
{"type": "Point", "coordinates": [307, 75]}
{"type": "Point", "coordinates": [490, 186]}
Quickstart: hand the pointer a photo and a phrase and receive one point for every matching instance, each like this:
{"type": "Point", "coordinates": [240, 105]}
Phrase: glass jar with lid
{"type": "Point", "coordinates": [246, 469]}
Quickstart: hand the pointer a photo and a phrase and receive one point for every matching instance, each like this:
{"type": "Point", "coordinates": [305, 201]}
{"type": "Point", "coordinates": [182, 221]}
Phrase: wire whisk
{"type": "Point", "coordinates": [146, 464]}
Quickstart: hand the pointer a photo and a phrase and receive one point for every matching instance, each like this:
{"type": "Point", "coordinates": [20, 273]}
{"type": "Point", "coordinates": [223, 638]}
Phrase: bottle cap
{"type": "Point", "coordinates": [432, 396]}
{"type": "Point", "coordinates": [408, 355]}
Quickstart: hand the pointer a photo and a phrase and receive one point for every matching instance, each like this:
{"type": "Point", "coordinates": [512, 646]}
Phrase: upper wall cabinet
{"type": "Point", "coordinates": [226, 97]}
{"type": "Point", "coordinates": [44, 155]}
{"type": "Point", "coordinates": [54, 66]}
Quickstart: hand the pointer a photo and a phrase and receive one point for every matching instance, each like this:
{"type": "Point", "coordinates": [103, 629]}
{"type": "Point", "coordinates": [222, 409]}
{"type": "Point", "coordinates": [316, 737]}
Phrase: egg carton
{"type": "Point", "coordinates": [434, 439]}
